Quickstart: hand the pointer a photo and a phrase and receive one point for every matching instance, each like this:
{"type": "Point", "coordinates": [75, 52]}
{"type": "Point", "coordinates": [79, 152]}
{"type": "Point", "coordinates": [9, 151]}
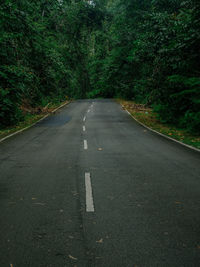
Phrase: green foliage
{"type": "Point", "coordinates": [136, 49]}
{"type": "Point", "coordinates": [10, 112]}
{"type": "Point", "coordinates": [44, 53]}
{"type": "Point", "coordinates": [151, 55]}
{"type": "Point", "coordinates": [94, 94]}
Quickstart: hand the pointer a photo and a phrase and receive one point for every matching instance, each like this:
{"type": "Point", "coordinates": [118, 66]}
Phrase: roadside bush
{"type": "Point", "coordinates": [10, 112]}
{"type": "Point", "coordinates": [191, 121]}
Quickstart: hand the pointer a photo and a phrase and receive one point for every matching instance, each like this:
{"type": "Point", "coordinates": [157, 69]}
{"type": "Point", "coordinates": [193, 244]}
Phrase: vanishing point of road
{"type": "Point", "coordinates": [90, 187]}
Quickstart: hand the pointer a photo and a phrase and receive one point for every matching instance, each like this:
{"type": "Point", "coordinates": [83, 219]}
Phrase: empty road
{"type": "Point", "coordinates": [90, 187]}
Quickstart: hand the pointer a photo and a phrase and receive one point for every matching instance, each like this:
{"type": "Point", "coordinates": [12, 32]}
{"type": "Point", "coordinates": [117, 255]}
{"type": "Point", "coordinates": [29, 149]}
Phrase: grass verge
{"type": "Point", "coordinates": [30, 118]}
{"type": "Point", "coordinates": [149, 118]}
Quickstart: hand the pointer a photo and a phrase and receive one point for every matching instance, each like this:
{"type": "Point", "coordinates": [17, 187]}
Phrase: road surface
{"type": "Point", "coordinates": [89, 186]}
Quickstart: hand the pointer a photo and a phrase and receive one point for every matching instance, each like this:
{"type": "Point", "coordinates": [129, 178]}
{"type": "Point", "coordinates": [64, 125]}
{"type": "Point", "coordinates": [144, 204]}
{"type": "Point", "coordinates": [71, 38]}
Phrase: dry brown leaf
{"type": "Point", "coordinates": [74, 193]}
{"type": "Point", "coordinates": [100, 240]}
{"type": "Point", "coordinates": [71, 257]}
{"type": "Point", "coordinates": [38, 203]}
{"type": "Point", "coordinates": [100, 149]}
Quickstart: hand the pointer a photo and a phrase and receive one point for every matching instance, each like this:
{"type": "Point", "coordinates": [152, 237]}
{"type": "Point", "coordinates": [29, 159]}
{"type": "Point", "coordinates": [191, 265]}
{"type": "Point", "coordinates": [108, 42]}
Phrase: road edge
{"type": "Point", "coordinates": [163, 135]}
{"type": "Point", "coordinates": [23, 129]}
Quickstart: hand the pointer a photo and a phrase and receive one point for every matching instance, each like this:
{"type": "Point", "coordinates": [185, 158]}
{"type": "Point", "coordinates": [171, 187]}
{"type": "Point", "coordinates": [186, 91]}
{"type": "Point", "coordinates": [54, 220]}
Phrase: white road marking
{"type": "Point", "coordinates": [85, 144]}
{"type": "Point", "coordinates": [88, 110]}
{"type": "Point", "coordinates": [128, 112]}
{"type": "Point", "coordinates": [88, 192]}
{"type": "Point", "coordinates": [10, 135]}
{"type": "Point", "coordinates": [84, 118]}
{"type": "Point", "coordinates": [84, 128]}
{"type": "Point", "coordinates": [191, 147]}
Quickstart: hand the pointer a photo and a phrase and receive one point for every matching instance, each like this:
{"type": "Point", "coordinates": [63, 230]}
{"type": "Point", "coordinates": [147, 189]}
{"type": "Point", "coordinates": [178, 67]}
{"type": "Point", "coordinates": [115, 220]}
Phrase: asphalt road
{"type": "Point", "coordinates": [89, 186]}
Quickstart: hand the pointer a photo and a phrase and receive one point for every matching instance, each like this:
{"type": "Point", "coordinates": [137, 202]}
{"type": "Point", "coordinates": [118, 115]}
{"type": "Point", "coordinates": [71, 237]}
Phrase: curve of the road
{"type": "Point", "coordinates": [89, 186]}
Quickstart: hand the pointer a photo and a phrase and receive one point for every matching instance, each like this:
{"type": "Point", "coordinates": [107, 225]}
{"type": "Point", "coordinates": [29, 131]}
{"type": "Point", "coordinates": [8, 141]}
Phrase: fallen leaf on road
{"type": "Point", "coordinates": [38, 203]}
{"type": "Point", "coordinates": [145, 131]}
{"type": "Point", "coordinates": [177, 202]}
{"type": "Point", "coordinates": [33, 198]}
{"type": "Point", "coordinates": [74, 193]}
{"type": "Point", "coordinates": [11, 265]}
{"type": "Point", "coordinates": [100, 149]}
{"type": "Point", "coordinates": [100, 240]}
{"type": "Point", "coordinates": [71, 257]}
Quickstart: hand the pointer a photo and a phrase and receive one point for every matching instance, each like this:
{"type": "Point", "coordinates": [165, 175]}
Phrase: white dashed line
{"type": "Point", "coordinates": [84, 118]}
{"type": "Point", "coordinates": [88, 192]}
{"type": "Point", "coordinates": [85, 144]}
{"type": "Point", "coordinates": [84, 128]}
{"type": "Point", "coordinates": [88, 110]}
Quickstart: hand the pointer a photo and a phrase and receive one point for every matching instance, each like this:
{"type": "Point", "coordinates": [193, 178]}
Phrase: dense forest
{"type": "Point", "coordinates": [146, 51]}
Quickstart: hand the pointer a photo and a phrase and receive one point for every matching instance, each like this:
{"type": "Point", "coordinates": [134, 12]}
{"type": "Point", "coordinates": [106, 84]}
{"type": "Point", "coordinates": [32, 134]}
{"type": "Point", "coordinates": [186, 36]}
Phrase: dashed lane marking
{"type": "Point", "coordinates": [88, 192]}
{"type": "Point", "coordinates": [85, 144]}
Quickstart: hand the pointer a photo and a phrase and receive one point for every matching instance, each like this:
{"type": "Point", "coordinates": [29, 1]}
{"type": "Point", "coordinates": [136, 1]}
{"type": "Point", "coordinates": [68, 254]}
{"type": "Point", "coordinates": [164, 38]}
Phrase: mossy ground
{"type": "Point", "coordinates": [146, 116]}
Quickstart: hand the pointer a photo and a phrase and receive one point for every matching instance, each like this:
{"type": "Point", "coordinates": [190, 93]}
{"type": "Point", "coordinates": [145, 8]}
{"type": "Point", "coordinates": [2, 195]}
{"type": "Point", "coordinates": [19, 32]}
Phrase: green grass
{"type": "Point", "coordinates": [149, 118]}
{"type": "Point", "coordinates": [29, 119]}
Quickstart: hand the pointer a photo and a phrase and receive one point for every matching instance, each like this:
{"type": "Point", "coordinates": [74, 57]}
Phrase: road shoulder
{"type": "Point", "coordinates": [146, 118]}
{"type": "Point", "coordinates": [29, 123]}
